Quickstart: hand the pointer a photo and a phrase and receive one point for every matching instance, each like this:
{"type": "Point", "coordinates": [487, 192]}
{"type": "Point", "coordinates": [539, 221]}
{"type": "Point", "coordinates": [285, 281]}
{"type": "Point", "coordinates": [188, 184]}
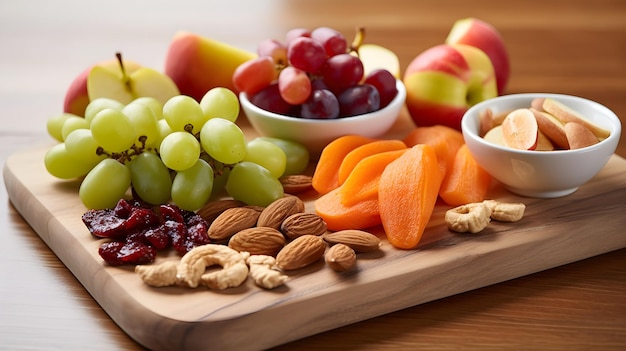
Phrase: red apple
{"type": "Point", "coordinates": [444, 81]}
{"type": "Point", "coordinates": [480, 34]}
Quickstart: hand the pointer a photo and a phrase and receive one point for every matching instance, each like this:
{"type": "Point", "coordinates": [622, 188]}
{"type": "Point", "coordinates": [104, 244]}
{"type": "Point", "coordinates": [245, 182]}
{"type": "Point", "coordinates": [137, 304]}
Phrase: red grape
{"type": "Point", "coordinates": [342, 71]}
{"type": "Point", "coordinates": [254, 75]}
{"type": "Point", "coordinates": [322, 104]}
{"type": "Point", "coordinates": [269, 99]}
{"type": "Point", "coordinates": [333, 41]}
{"type": "Point", "coordinates": [385, 83]}
{"type": "Point", "coordinates": [306, 54]}
{"type": "Point", "coordinates": [294, 85]}
{"type": "Point", "coordinates": [358, 99]}
{"type": "Point", "coordinates": [274, 49]}
{"type": "Point", "coordinates": [296, 33]}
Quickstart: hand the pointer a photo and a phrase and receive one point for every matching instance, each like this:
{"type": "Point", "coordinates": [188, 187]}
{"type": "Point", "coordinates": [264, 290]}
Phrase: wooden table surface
{"type": "Point", "coordinates": [572, 47]}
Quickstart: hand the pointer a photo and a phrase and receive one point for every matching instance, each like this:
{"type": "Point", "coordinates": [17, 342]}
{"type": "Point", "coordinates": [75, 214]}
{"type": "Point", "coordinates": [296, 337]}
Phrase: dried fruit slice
{"type": "Point", "coordinates": [579, 136]}
{"type": "Point", "coordinates": [466, 181]}
{"type": "Point", "coordinates": [520, 130]}
{"type": "Point", "coordinates": [407, 194]}
{"type": "Point", "coordinates": [326, 175]}
{"type": "Point", "coordinates": [362, 183]}
{"type": "Point", "coordinates": [567, 114]}
{"type": "Point", "coordinates": [353, 157]}
{"type": "Point", "coordinates": [551, 127]}
{"type": "Point", "coordinates": [445, 140]}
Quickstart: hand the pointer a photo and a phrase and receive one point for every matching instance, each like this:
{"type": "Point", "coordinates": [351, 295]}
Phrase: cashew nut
{"type": "Point", "coordinates": [471, 218]}
{"type": "Point", "coordinates": [192, 267]}
{"type": "Point", "coordinates": [262, 273]}
{"type": "Point", "coordinates": [505, 211]}
{"type": "Point", "coordinates": [159, 275]}
{"type": "Point", "coordinates": [190, 271]}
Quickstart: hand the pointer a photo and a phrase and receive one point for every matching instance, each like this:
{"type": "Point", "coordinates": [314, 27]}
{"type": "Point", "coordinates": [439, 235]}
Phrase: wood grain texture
{"type": "Point", "coordinates": [553, 233]}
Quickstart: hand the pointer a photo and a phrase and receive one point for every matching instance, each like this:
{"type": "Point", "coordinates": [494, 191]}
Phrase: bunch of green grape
{"type": "Point", "coordinates": [183, 151]}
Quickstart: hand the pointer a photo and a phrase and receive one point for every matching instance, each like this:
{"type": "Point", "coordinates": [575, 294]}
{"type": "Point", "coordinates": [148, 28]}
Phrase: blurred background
{"type": "Point", "coordinates": [44, 44]}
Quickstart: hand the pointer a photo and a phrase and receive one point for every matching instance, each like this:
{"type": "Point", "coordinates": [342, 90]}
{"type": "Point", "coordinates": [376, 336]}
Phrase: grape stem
{"type": "Point", "coordinates": [127, 155]}
{"type": "Point", "coordinates": [358, 39]}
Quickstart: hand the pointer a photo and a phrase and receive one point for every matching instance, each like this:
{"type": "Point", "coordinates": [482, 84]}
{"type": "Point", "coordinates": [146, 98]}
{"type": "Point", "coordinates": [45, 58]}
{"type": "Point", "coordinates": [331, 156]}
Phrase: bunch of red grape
{"type": "Point", "coordinates": [313, 74]}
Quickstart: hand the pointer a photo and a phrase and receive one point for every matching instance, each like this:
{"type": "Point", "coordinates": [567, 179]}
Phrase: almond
{"type": "Point", "coordinates": [212, 209]}
{"type": "Point", "coordinates": [275, 213]}
{"type": "Point", "coordinates": [303, 223]}
{"type": "Point", "coordinates": [231, 221]}
{"type": "Point", "coordinates": [340, 257]}
{"type": "Point", "coordinates": [358, 240]}
{"type": "Point", "coordinates": [296, 183]}
{"type": "Point", "coordinates": [258, 241]}
{"type": "Point", "coordinates": [301, 252]}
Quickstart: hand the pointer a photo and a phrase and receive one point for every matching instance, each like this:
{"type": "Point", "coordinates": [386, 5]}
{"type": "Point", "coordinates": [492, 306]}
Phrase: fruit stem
{"type": "Point", "coordinates": [125, 77]}
{"type": "Point", "coordinates": [358, 39]}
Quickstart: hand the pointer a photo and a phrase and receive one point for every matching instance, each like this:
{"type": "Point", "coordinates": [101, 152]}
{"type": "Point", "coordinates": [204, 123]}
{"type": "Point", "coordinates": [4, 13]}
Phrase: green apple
{"type": "Point", "coordinates": [125, 86]}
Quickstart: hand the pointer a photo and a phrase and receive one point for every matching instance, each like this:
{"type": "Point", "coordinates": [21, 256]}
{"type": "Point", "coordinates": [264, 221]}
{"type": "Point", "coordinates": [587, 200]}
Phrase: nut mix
{"type": "Point", "coordinates": [253, 241]}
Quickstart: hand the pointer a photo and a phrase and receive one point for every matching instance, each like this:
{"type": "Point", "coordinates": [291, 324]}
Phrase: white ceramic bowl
{"type": "Point", "coordinates": [541, 174]}
{"type": "Point", "coordinates": [315, 134]}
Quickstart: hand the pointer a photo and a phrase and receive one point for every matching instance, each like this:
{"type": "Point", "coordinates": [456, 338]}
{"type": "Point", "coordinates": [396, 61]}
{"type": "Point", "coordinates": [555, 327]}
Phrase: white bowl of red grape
{"type": "Point", "coordinates": [312, 89]}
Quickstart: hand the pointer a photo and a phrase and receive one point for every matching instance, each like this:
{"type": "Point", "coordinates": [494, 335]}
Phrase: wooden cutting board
{"type": "Point", "coordinates": [553, 232]}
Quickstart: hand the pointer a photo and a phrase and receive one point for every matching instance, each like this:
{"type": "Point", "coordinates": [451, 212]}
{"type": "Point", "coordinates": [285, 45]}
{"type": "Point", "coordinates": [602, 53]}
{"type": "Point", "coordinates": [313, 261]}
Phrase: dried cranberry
{"type": "Point", "coordinates": [171, 212]}
{"type": "Point", "coordinates": [178, 235]}
{"type": "Point", "coordinates": [118, 253]}
{"type": "Point", "coordinates": [157, 237]}
{"type": "Point", "coordinates": [122, 209]}
{"type": "Point", "coordinates": [197, 230]}
{"type": "Point", "coordinates": [104, 223]}
{"type": "Point", "coordinates": [141, 218]}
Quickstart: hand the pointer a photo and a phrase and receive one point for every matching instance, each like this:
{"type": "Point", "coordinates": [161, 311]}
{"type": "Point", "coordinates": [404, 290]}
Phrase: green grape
{"type": "Point", "coordinates": [220, 176]}
{"type": "Point", "coordinates": [150, 178]}
{"type": "Point", "coordinates": [81, 145]}
{"type": "Point", "coordinates": [223, 140]}
{"type": "Point", "coordinates": [253, 184]}
{"type": "Point", "coordinates": [144, 122]}
{"type": "Point", "coordinates": [164, 130]}
{"type": "Point", "coordinates": [113, 130]}
{"type": "Point", "coordinates": [268, 155]}
{"type": "Point", "coordinates": [191, 188]}
{"type": "Point", "coordinates": [99, 104]}
{"type": "Point", "coordinates": [71, 124]}
{"type": "Point", "coordinates": [179, 150]}
{"type": "Point", "coordinates": [105, 184]}
{"type": "Point", "coordinates": [155, 105]}
{"type": "Point", "coordinates": [220, 102]}
{"type": "Point", "coordinates": [182, 110]}
{"type": "Point", "coordinates": [54, 125]}
{"type": "Point", "coordinates": [298, 156]}
{"type": "Point", "coordinates": [60, 164]}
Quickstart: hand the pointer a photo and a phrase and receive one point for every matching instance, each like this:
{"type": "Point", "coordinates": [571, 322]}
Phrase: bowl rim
{"type": "Point", "coordinates": [396, 103]}
{"type": "Point", "coordinates": [468, 131]}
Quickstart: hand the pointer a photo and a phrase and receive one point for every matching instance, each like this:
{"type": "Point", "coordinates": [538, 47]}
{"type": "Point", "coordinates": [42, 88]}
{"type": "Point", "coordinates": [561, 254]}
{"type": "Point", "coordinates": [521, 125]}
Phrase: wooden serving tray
{"type": "Point", "coordinates": [553, 232]}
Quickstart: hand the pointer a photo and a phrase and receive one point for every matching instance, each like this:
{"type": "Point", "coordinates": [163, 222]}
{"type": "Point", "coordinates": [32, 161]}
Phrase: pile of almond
{"type": "Point", "coordinates": [546, 125]}
{"type": "Point", "coordinates": [285, 231]}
